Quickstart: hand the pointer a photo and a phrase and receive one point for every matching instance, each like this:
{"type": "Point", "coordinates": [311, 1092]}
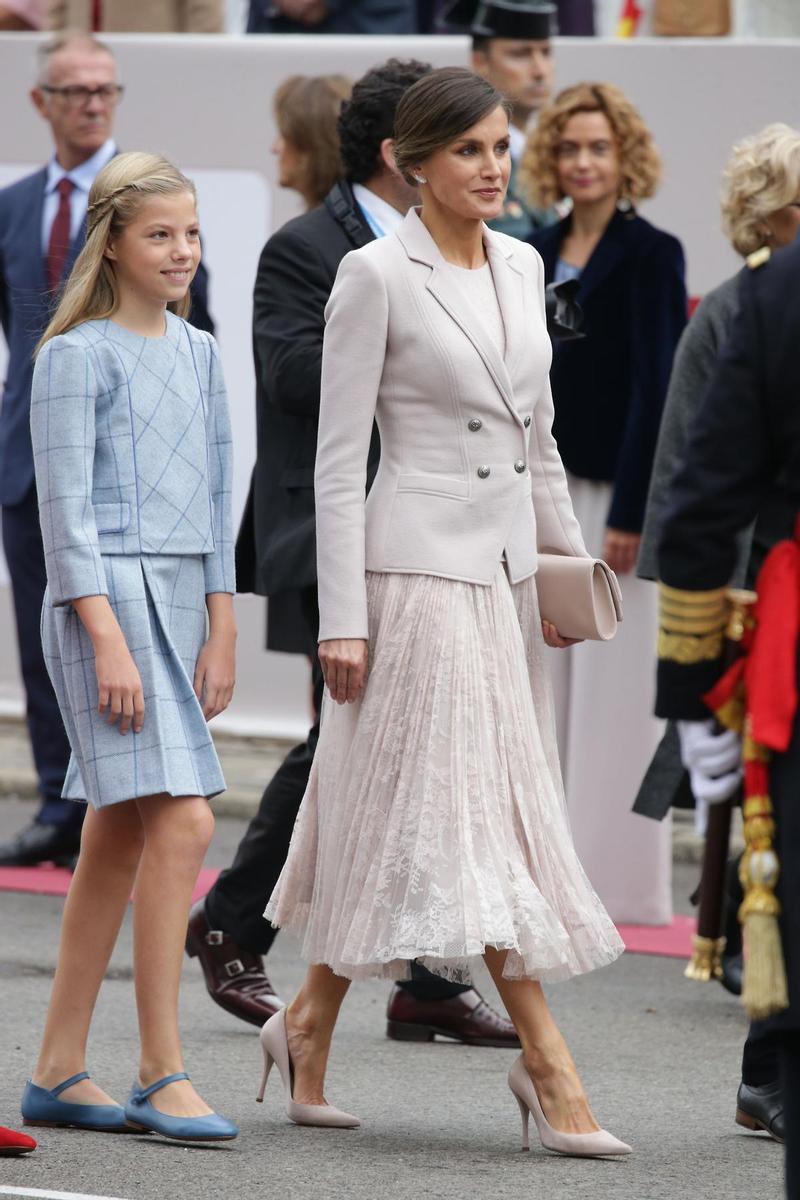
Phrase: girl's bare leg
{"type": "Point", "coordinates": [177, 832]}
{"type": "Point", "coordinates": [546, 1054]}
{"type": "Point", "coordinates": [111, 843]}
{"type": "Point", "coordinates": [310, 1021]}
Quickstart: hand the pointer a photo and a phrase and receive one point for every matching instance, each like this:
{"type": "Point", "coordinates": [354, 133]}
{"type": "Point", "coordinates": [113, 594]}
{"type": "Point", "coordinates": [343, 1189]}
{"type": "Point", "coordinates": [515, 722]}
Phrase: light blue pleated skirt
{"type": "Point", "coordinates": [159, 601]}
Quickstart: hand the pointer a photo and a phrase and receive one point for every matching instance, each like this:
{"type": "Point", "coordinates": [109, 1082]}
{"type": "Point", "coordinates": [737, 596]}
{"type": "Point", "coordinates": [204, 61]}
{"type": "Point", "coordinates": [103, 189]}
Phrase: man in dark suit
{"type": "Point", "coordinates": [742, 460]}
{"type": "Point", "coordinates": [332, 16]}
{"type": "Point", "coordinates": [276, 557]}
{"type": "Point", "coordinates": [42, 228]}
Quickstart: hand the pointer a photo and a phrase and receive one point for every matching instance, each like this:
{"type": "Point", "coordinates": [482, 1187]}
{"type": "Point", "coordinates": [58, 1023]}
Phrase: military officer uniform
{"type": "Point", "coordinates": [743, 457]}
{"type": "Point", "coordinates": [526, 20]}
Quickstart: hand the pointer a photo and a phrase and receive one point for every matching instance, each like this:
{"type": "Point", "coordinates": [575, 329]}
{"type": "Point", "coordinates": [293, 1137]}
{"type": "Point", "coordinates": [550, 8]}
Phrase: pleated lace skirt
{"type": "Point", "coordinates": [434, 823]}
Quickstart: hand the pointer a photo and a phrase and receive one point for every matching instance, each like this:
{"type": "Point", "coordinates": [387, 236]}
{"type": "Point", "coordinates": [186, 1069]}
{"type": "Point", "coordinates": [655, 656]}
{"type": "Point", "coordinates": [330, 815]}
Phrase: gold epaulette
{"type": "Point", "coordinates": [691, 625]}
{"type": "Point", "coordinates": [758, 258]}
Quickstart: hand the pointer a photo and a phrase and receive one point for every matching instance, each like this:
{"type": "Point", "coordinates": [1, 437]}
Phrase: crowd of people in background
{"type": "Point", "coordinates": [576, 18]}
{"type": "Point", "coordinates": [581, 161]}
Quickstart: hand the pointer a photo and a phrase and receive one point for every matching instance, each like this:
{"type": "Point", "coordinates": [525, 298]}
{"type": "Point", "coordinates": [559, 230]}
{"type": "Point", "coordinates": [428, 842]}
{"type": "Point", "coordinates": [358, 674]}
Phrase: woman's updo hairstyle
{"type": "Point", "coordinates": [436, 111]}
{"type": "Point", "coordinates": [91, 292]}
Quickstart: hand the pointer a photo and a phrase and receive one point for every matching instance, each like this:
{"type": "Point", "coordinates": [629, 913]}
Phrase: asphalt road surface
{"type": "Point", "coordinates": [659, 1056]}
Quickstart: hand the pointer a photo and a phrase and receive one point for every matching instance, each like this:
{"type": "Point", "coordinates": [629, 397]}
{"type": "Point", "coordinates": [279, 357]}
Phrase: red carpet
{"type": "Point", "coordinates": [54, 881]}
{"type": "Point", "coordinates": [672, 941]}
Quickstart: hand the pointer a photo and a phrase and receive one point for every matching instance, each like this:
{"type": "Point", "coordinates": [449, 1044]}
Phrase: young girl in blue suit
{"type": "Point", "coordinates": [132, 449]}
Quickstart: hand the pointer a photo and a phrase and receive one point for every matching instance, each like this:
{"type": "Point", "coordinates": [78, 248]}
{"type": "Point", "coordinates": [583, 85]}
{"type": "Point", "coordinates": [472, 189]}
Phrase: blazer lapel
{"type": "Point", "coordinates": [609, 251]}
{"type": "Point", "coordinates": [31, 234]}
{"type": "Point", "coordinates": [443, 285]}
{"type": "Point", "coordinates": [509, 285]}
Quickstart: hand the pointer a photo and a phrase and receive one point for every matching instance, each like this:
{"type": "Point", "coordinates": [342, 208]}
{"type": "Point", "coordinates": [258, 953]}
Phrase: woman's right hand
{"type": "Point", "coordinates": [344, 666]}
{"type": "Point", "coordinates": [119, 684]}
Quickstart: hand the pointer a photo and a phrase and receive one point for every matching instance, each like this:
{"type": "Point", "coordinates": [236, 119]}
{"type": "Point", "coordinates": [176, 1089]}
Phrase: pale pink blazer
{"type": "Point", "coordinates": [469, 469]}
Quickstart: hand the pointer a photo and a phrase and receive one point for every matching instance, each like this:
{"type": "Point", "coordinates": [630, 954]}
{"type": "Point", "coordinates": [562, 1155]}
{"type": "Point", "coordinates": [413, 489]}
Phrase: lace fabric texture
{"type": "Point", "coordinates": [434, 823]}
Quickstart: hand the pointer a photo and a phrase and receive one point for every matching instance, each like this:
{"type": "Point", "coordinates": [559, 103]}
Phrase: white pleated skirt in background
{"type": "Point", "coordinates": [434, 823]}
{"type": "Point", "coordinates": [607, 735]}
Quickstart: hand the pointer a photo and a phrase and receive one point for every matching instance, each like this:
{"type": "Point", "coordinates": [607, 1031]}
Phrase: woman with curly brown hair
{"type": "Point", "coordinates": [593, 148]}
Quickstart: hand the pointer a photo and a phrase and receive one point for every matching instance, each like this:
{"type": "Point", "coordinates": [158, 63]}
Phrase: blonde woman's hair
{"type": "Point", "coordinates": [91, 292]}
{"type": "Point", "coordinates": [640, 164]}
{"type": "Point", "coordinates": [762, 175]}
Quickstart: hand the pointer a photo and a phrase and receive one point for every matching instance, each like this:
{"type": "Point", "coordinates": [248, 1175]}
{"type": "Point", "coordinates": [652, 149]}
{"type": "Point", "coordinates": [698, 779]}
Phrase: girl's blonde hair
{"type": "Point", "coordinates": [640, 165]}
{"type": "Point", "coordinates": [91, 292]}
{"type": "Point", "coordinates": [762, 175]}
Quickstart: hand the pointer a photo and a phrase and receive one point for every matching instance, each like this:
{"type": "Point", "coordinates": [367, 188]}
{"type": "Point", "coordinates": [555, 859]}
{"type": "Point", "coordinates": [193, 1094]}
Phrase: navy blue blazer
{"type": "Point", "coordinates": [609, 388]}
{"type": "Point", "coordinates": [26, 306]}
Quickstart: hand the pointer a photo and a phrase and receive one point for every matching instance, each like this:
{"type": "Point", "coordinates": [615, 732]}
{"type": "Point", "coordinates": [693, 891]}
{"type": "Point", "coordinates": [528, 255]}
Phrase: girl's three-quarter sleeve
{"type": "Point", "coordinates": [63, 400]}
{"type": "Point", "coordinates": [220, 575]}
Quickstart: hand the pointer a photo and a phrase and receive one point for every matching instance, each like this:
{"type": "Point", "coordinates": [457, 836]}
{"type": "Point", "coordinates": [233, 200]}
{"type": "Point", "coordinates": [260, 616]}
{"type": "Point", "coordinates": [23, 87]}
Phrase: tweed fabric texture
{"type": "Point", "coordinates": [132, 450]}
{"type": "Point", "coordinates": [434, 822]}
{"type": "Point", "coordinates": [160, 604]}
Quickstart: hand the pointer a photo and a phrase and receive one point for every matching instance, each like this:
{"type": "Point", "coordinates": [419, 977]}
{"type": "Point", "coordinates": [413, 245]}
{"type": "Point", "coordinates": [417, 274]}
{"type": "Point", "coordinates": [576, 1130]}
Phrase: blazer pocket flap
{"type": "Point", "coordinates": [112, 518]}
{"type": "Point", "coordinates": [434, 485]}
{"type": "Point", "coordinates": [298, 477]}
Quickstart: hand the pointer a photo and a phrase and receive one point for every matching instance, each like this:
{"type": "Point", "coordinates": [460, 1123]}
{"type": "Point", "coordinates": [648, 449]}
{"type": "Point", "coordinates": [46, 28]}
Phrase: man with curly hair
{"type": "Point", "coordinates": [276, 557]}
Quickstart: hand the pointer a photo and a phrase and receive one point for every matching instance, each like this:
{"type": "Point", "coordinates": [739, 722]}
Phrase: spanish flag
{"type": "Point", "coordinates": [629, 19]}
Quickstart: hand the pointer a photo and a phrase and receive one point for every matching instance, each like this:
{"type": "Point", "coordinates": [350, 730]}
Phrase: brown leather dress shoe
{"type": "Point", "coordinates": [234, 976]}
{"type": "Point", "coordinates": [464, 1018]}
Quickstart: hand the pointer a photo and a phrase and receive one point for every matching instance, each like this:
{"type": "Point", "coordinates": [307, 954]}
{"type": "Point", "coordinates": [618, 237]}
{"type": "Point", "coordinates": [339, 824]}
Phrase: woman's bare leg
{"type": "Point", "coordinates": [546, 1054]}
{"type": "Point", "coordinates": [177, 832]}
{"type": "Point", "coordinates": [111, 843]}
{"type": "Point", "coordinates": [310, 1021]}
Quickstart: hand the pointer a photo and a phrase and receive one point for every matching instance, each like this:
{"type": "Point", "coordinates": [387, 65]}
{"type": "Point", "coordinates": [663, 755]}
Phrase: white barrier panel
{"type": "Point", "coordinates": [206, 103]}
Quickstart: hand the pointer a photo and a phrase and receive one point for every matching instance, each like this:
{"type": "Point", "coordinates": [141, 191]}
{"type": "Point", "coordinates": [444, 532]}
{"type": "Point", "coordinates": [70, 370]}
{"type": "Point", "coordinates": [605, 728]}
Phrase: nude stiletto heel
{"type": "Point", "coordinates": [268, 1061]}
{"type": "Point", "coordinates": [525, 1113]}
{"type": "Point", "coordinates": [275, 1045]}
{"type": "Point", "coordinates": [580, 1145]}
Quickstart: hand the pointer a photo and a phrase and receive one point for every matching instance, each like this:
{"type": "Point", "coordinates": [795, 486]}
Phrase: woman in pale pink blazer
{"type": "Point", "coordinates": [434, 825]}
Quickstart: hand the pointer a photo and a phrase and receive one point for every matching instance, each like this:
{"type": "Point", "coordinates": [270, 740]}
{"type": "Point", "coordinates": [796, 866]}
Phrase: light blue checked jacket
{"type": "Point", "coordinates": [132, 452]}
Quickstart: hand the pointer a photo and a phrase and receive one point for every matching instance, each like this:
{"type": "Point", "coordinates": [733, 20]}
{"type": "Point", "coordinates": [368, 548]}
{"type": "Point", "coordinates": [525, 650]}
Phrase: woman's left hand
{"type": "Point", "coordinates": [215, 673]}
{"type": "Point", "coordinates": [553, 638]}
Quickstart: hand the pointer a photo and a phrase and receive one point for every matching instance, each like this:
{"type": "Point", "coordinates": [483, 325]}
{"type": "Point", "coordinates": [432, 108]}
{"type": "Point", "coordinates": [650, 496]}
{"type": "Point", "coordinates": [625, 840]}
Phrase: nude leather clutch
{"type": "Point", "coordinates": [581, 596]}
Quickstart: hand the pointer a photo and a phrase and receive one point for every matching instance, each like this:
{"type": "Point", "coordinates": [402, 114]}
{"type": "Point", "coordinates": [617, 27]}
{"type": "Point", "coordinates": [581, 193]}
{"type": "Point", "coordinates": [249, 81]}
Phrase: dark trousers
{"type": "Point", "coordinates": [22, 545]}
{"type": "Point", "coordinates": [790, 1078]}
{"type": "Point", "coordinates": [761, 1055]}
{"type": "Point", "coordinates": [237, 900]}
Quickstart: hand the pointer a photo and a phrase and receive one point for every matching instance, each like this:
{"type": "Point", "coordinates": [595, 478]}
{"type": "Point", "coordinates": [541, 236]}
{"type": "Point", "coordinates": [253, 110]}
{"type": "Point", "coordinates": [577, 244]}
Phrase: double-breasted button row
{"type": "Point", "coordinates": [485, 472]}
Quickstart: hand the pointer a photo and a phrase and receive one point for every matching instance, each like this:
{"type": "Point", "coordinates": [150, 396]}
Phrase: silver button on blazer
{"type": "Point", "coordinates": [404, 347]}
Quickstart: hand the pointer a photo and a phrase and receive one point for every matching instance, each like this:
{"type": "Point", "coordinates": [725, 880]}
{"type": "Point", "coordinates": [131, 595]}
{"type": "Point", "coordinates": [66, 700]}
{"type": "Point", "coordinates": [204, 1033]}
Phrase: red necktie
{"type": "Point", "coordinates": [58, 246]}
{"type": "Point", "coordinates": [97, 15]}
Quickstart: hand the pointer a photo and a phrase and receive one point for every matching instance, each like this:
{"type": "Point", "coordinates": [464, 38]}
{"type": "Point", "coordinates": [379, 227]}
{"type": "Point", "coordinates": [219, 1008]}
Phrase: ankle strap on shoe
{"type": "Point", "coordinates": [143, 1093]}
{"type": "Point", "coordinates": [62, 1087]}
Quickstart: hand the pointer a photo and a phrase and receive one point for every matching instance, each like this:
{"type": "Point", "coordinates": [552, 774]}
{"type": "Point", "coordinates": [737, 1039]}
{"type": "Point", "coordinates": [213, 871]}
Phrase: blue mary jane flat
{"type": "Point", "coordinates": [139, 1111]}
{"type": "Point", "coordinates": [43, 1107]}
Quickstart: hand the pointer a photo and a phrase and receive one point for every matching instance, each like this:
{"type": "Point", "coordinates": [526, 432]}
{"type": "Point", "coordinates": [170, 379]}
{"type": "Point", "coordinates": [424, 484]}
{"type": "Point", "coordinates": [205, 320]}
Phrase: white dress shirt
{"type": "Point", "coordinates": [83, 176]}
{"type": "Point", "coordinates": [381, 217]}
